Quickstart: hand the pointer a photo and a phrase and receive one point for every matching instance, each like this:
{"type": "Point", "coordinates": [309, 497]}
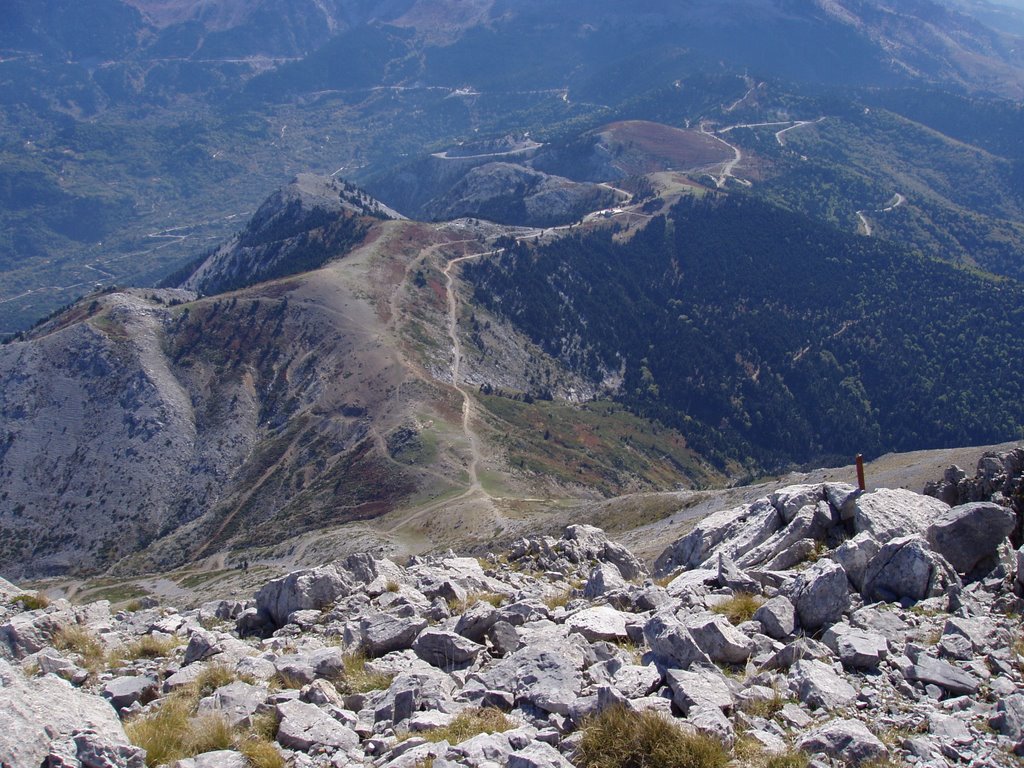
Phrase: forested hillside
{"type": "Point", "coordinates": [762, 334]}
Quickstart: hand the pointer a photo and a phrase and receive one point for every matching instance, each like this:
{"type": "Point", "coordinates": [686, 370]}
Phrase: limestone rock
{"type": "Point", "coordinates": [934, 671]}
{"type": "Point", "coordinates": [820, 595]}
{"type": "Point", "coordinates": [34, 713]}
{"type": "Point", "coordinates": [854, 555]}
{"type": "Point", "coordinates": [445, 649]}
{"type": "Point", "coordinates": [969, 535]}
{"type": "Point", "coordinates": [305, 726]}
{"type": "Point", "coordinates": [848, 740]}
{"type": "Point", "coordinates": [671, 643]}
{"type": "Point", "coordinates": [891, 513]}
{"type": "Point", "coordinates": [817, 685]}
{"type": "Point", "coordinates": [777, 616]}
{"type": "Point", "coordinates": [314, 588]}
{"type": "Point", "coordinates": [737, 530]}
{"type": "Point", "coordinates": [698, 687]}
{"type": "Point", "coordinates": [907, 568]}
{"type": "Point", "coordinates": [382, 633]}
{"type": "Point", "coordinates": [716, 637]}
{"type": "Point", "coordinates": [599, 623]}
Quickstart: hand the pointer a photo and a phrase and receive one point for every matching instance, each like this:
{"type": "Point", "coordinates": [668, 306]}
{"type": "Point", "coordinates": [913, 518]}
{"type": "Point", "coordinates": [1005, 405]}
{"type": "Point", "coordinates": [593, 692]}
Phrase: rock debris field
{"type": "Point", "coordinates": [819, 626]}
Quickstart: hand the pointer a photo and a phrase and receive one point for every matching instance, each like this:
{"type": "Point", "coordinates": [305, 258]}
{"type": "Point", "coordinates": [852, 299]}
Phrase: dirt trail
{"type": "Point", "coordinates": [467, 402]}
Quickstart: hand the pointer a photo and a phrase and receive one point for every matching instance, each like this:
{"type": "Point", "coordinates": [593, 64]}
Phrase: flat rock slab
{"type": "Point", "coordinates": [305, 726]}
{"type": "Point", "coordinates": [848, 740]}
{"type": "Point", "coordinates": [601, 623]}
{"type": "Point", "coordinates": [951, 679]}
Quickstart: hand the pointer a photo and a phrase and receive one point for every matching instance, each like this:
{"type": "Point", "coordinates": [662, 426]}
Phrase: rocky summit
{"type": "Point", "coordinates": [819, 625]}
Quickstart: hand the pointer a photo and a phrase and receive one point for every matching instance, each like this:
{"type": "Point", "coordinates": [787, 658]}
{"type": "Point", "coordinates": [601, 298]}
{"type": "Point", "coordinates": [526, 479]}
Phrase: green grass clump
{"type": "Point", "coordinates": [740, 607]}
{"type": "Point", "coordinates": [470, 723]}
{"type": "Point", "coordinates": [31, 602]}
{"type": "Point", "coordinates": [621, 738]}
{"type": "Point", "coordinates": [81, 641]}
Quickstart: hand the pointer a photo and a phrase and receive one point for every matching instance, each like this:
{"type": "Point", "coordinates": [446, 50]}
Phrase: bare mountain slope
{"type": "Point", "coordinates": [150, 428]}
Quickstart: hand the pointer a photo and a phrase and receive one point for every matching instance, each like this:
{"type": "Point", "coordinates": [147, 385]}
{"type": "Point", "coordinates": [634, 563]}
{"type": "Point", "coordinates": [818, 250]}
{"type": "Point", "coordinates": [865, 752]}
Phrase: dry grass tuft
{"type": "Point", "coordinates": [620, 738]}
{"type": "Point", "coordinates": [740, 607]}
{"type": "Point", "coordinates": [79, 640]}
{"type": "Point", "coordinates": [558, 600]}
{"type": "Point", "coordinates": [470, 723]}
{"type": "Point", "coordinates": [261, 754]}
{"type": "Point", "coordinates": [358, 679]}
{"type": "Point", "coordinates": [31, 602]}
{"type": "Point", "coordinates": [148, 647]}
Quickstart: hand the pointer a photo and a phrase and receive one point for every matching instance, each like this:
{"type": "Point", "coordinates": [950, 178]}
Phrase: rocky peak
{"type": "Point", "coordinates": [298, 228]}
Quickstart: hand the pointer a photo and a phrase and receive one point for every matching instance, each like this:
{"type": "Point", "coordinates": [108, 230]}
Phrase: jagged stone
{"type": "Point", "coordinates": [854, 555]}
{"type": "Point", "coordinates": [599, 623]}
{"type": "Point", "coordinates": [445, 649]}
{"type": "Point", "coordinates": [540, 674]}
{"type": "Point", "coordinates": [538, 755]}
{"type": "Point", "coordinates": [604, 578]}
{"type": "Point", "coordinates": [29, 632]}
{"type": "Point", "coordinates": [583, 543]}
{"type": "Point", "coordinates": [383, 632]}
{"type": "Point", "coordinates": [730, 575]}
{"type": "Point", "coordinates": [88, 749]}
{"type": "Point", "coordinates": [635, 681]}
{"type": "Point", "coordinates": [503, 639]}
{"type": "Point", "coordinates": [711, 721]}
{"type": "Point", "coordinates": [716, 637]}
{"type": "Point", "coordinates": [690, 583]}
{"type": "Point", "coordinates": [777, 616]}
{"type": "Point", "coordinates": [1009, 717]}
{"type": "Point", "coordinates": [969, 535]}
{"type": "Point", "coordinates": [906, 569]}
{"type": "Point", "coordinates": [671, 642]}
{"type": "Point", "coordinates": [222, 758]}
{"type": "Point", "coordinates": [847, 740]}
{"type": "Point", "coordinates": [820, 594]}
{"type": "Point", "coordinates": [476, 620]}
{"type": "Point", "coordinates": [51, 662]}
{"type": "Point", "coordinates": [237, 702]}
{"type": "Point", "coordinates": [122, 692]}
{"type": "Point", "coordinates": [817, 685]}
{"type": "Point", "coordinates": [861, 650]}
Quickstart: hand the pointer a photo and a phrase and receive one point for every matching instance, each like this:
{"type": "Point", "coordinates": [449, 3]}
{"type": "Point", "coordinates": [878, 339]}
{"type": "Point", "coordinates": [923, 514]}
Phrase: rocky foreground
{"type": "Point", "coordinates": [818, 626]}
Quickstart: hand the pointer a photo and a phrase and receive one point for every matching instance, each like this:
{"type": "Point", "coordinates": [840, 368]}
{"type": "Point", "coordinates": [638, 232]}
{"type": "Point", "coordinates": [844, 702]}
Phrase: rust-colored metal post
{"type": "Point", "coordinates": [860, 472]}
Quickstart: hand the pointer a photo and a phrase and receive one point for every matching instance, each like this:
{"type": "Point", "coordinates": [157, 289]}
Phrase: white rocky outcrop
{"type": "Point", "coordinates": [848, 645]}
